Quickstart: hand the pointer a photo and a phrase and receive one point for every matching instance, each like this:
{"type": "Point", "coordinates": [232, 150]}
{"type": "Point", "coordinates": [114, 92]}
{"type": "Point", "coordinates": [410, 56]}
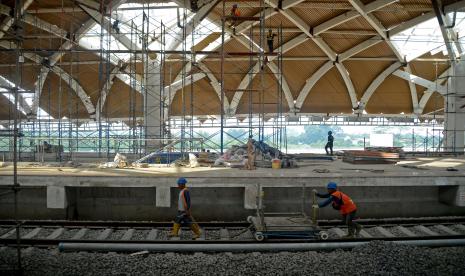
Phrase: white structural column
{"type": "Point", "coordinates": [454, 112]}
{"type": "Point", "coordinates": [153, 98]}
{"type": "Point", "coordinates": [153, 104]}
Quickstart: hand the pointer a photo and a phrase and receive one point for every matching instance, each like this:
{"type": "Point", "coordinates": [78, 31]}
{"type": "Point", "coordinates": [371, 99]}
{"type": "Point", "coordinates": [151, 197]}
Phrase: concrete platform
{"type": "Point", "coordinates": [225, 194]}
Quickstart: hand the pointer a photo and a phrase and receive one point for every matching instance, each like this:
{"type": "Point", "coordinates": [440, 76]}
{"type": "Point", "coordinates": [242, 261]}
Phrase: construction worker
{"type": "Point", "coordinates": [344, 204]}
{"type": "Point", "coordinates": [184, 211]}
{"type": "Point", "coordinates": [270, 39]}
{"type": "Point", "coordinates": [234, 13]}
{"type": "Point", "coordinates": [330, 143]}
{"type": "Point", "coordinates": [250, 165]}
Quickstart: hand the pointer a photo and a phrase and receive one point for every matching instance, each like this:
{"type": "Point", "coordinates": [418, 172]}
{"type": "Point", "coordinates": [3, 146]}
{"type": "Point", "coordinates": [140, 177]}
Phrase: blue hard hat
{"type": "Point", "coordinates": [182, 181]}
{"type": "Point", "coordinates": [332, 185]}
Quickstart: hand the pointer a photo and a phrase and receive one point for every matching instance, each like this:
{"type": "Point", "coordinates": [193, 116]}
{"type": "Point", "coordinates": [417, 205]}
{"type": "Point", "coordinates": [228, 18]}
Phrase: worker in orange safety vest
{"type": "Point", "coordinates": [346, 206]}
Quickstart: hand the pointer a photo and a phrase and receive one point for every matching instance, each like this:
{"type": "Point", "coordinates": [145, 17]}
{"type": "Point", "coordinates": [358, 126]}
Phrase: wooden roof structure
{"type": "Point", "coordinates": [337, 58]}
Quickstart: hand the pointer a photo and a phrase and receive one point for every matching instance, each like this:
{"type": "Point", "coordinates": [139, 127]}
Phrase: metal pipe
{"type": "Point", "coordinates": [245, 247]}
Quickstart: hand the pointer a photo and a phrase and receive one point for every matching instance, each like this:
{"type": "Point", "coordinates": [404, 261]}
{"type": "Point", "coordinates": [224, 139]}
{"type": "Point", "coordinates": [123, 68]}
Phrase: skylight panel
{"type": "Point", "coordinates": [418, 40]}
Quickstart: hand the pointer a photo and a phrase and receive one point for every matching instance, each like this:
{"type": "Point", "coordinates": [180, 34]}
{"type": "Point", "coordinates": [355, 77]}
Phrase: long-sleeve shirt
{"type": "Point", "coordinates": [329, 200]}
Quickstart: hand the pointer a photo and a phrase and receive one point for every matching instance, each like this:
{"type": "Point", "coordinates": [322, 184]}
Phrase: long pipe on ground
{"type": "Point", "coordinates": [234, 247]}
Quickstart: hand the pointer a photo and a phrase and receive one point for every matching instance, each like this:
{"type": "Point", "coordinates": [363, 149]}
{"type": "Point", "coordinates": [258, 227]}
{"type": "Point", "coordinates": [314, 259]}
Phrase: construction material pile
{"type": "Point", "coordinates": [398, 150]}
{"type": "Point", "coordinates": [236, 156]}
{"type": "Point", "coordinates": [370, 157]}
{"type": "Point", "coordinates": [376, 258]}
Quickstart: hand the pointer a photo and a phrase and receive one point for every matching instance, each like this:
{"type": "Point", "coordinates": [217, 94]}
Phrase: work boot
{"type": "Point", "coordinates": [196, 230]}
{"type": "Point", "coordinates": [358, 228]}
{"type": "Point", "coordinates": [174, 232]}
{"type": "Point", "coordinates": [350, 234]}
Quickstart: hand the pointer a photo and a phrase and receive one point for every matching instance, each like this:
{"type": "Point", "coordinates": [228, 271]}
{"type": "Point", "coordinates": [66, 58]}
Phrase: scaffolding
{"type": "Point", "coordinates": [263, 110]}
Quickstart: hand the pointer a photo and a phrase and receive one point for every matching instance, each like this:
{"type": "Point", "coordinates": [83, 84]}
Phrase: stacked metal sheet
{"type": "Point", "coordinates": [370, 157]}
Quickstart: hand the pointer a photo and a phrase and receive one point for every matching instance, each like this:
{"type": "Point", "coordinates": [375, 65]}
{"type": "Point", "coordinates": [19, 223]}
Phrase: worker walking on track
{"type": "Point", "coordinates": [344, 204]}
{"type": "Point", "coordinates": [184, 216]}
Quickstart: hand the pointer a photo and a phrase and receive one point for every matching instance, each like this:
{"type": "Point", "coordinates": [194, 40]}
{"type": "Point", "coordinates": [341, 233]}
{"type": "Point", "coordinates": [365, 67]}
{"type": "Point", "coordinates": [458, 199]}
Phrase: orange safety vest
{"type": "Point", "coordinates": [347, 206]}
{"type": "Point", "coordinates": [235, 12]}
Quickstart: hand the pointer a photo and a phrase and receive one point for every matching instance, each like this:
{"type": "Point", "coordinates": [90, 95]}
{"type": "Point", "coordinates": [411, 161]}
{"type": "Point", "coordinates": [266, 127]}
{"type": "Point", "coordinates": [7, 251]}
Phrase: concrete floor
{"type": "Point", "coordinates": [426, 166]}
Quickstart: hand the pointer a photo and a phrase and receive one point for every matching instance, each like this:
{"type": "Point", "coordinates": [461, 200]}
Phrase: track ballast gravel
{"type": "Point", "coordinates": [377, 258]}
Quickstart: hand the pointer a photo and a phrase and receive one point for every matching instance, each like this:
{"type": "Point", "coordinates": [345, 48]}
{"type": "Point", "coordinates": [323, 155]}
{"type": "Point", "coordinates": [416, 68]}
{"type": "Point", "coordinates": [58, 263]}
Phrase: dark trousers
{"type": "Point", "coordinates": [270, 46]}
{"type": "Point", "coordinates": [182, 218]}
{"type": "Point", "coordinates": [348, 219]}
{"type": "Point", "coordinates": [330, 146]}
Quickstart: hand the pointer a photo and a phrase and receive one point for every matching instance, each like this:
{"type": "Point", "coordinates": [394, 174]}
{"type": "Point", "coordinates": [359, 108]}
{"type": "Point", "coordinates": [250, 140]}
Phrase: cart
{"type": "Point", "coordinates": [285, 225]}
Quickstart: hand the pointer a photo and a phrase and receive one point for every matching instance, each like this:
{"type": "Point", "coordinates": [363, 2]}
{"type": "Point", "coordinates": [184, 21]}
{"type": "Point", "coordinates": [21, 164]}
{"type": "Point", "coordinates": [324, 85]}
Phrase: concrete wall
{"type": "Point", "coordinates": [220, 203]}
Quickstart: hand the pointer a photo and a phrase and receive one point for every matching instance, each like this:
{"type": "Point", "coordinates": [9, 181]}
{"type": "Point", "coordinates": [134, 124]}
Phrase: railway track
{"type": "Point", "coordinates": [48, 233]}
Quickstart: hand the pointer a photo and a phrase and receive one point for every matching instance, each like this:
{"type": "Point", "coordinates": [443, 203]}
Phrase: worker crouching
{"type": "Point", "coordinates": [184, 216]}
{"type": "Point", "coordinates": [344, 204]}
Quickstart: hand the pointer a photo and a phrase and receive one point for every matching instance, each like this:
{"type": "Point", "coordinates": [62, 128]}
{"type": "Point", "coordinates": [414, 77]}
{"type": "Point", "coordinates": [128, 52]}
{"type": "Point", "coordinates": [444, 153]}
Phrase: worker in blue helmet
{"type": "Point", "coordinates": [184, 216]}
{"type": "Point", "coordinates": [342, 202]}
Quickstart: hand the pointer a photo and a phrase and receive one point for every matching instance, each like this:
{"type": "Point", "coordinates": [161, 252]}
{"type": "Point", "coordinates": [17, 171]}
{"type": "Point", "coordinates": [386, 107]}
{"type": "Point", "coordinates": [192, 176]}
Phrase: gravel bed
{"type": "Point", "coordinates": [373, 232]}
{"type": "Point", "coordinates": [239, 234]}
{"type": "Point", "coordinates": [396, 232]}
{"type": "Point", "coordinates": [92, 234]}
{"type": "Point", "coordinates": [415, 231]}
{"type": "Point", "coordinates": [140, 235]}
{"type": "Point", "coordinates": [45, 232]}
{"type": "Point", "coordinates": [457, 229]}
{"type": "Point", "coordinates": [438, 230]}
{"type": "Point", "coordinates": [22, 231]}
{"type": "Point", "coordinates": [4, 229]}
{"type": "Point", "coordinates": [377, 258]}
{"type": "Point", "coordinates": [163, 234]}
{"type": "Point", "coordinates": [116, 235]}
{"type": "Point", "coordinates": [69, 233]}
{"type": "Point", "coordinates": [211, 234]}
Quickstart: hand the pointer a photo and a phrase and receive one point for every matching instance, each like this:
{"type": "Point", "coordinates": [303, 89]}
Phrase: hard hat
{"type": "Point", "coordinates": [332, 186]}
{"type": "Point", "coordinates": [330, 132]}
{"type": "Point", "coordinates": [182, 181]}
